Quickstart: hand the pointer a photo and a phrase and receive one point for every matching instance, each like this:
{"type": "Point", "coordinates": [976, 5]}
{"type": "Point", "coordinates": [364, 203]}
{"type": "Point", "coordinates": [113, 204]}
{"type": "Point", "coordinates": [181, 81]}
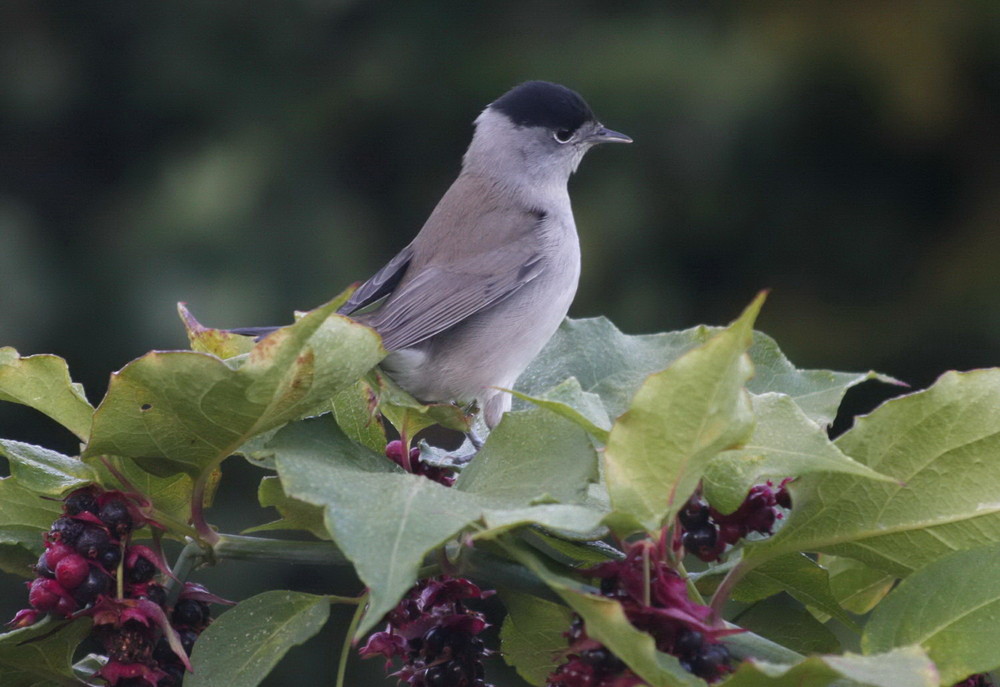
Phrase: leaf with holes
{"type": "Point", "coordinates": [194, 410]}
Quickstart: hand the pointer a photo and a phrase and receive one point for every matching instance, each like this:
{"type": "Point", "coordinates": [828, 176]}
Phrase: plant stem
{"type": "Point", "coordinates": [726, 587]}
{"type": "Point", "coordinates": [345, 651]}
{"type": "Point", "coordinates": [191, 555]}
{"type": "Point", "coordinates": [240, 547]}
{"type": "Point", "coordinates": [205, 530]}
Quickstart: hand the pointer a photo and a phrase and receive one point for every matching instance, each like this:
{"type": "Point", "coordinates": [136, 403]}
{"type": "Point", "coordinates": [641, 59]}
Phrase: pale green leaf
{"type": "Point", "coordinates": [533, 455]}
{"type": "Point", "coordinates": [570, 401]}
{"type": "Point", "coordinates": [941, 446]}
{"type": "Point", "coordinates": [194, 410]}
{"type": "Point", "coordinates": [679, 420]}
{"type": "Point", "coordinates": [907, 667]}
{"type": "Point", "coordinates": [784, 443]}
{"type": "Point", "coordinates": [355, 413]}
{"type": "Point", "coordinates": [43, 470]}
{"type": "Point", "coordinates": [319, 465]}
{"type": "Point", "coordinates": [613, 365]}
{"type": "Point", "coordinates": [951, 608]}
{"type": "Point", "coordinates": [41, 654]}
{"type": "Point", "coordinates": [245, 643]}
{"type": "Point", "coordinates": [532, 635]}
{"type": "Point", "coordinates": [218, 342]}
{"type": "Point", "coordinates": [42, 382]}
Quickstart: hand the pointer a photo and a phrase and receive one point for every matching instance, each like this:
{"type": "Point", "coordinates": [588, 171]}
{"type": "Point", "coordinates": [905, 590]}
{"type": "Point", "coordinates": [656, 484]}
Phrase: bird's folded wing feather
{"type": "Point", "coordinates": [440, 297]}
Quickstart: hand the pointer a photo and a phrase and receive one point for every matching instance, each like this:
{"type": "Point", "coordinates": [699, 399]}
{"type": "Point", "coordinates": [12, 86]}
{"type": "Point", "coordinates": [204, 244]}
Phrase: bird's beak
{"type": "Point", "coordinates": [606, 135]}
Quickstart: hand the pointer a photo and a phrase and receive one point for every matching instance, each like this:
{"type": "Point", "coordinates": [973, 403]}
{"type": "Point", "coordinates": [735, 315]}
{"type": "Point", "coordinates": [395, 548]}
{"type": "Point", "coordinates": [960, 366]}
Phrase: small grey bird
{"type": "Point", "coordinates": [488, 279]}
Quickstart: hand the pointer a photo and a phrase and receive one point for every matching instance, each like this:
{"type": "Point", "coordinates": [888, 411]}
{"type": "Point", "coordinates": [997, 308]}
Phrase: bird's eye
{"type": "Point", "coordinates": [563, 135]}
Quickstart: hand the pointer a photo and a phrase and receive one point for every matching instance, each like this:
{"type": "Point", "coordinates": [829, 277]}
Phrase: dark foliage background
{"type": "Point", "coordinates": [254, 158]}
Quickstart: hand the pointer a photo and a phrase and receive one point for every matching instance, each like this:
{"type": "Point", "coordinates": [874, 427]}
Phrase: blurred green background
{"type": "Point", "coordinates": [255, 158]}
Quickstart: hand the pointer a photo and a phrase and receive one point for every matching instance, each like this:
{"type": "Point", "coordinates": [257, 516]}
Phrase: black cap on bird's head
{"type": "Point", "coordinates": [541, 103]}
{"type": "Point", "coordinates": [551, 106]}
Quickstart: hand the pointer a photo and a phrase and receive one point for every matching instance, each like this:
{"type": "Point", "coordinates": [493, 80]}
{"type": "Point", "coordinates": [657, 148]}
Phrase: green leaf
{"type": "Point", "coordinates": [570, 401]}
{"type": "Point", "coordinates": [41, 654]}
{"type": "Point", "coordinates": [614, 365]}
{"type": "Point", "coordinates": [42, 382]}
{"type": "Point", "coordinates": [355, 413]}
{"type": "Point", "coordinates": [908, 667]}
{"type": "Point", "coordinates": [218, 342]}
{"type": "Point", "coordinates": [951, 608]}
{"type": "Point", "coordinates": [569, 521]}
{"type": "Point", "coordinates": [245, 643]}
{"type": "Point", "coordinates": [407, 414]}
{"type": "Point", "coordinates": [941, 445]}
{"type": "Point", "coordinates": [531, 456]}
{"type": "Point", "coordinates": [194, 410]}
{"type": "Point", "coordinates": [817, 392]}
{"type": "Point", "coordinates": [45, 471]}
{"type": "Point", "coordinates": [533, 635]}
{"type": "Point", "coordinates": [798, 575]}
{"type": "Point", "coordinates": [788, 623]}
{"type": "Point", "coordinates": [318, 464]}
{"type": "Point", "coordinates": [24, 517]}
{"type": "Point", "coordinates": [856, 587]}
{"type": "Point", "coordinates": [784, 443]}
{"type": "Point", "coordinates": [295, 514]}
{"type": "Point", "coordinates": [679, 420]}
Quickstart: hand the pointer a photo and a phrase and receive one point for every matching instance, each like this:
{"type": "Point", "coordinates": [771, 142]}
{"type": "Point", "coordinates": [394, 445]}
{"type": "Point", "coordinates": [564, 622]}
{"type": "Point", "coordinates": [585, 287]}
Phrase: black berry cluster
{"type": "Point", "coordinates": [978, 680]}
{"type": "Point", "coordinates": [707, 532]}
{"type": "Point", "coordinates": [415, 464]}
{"type": "Point", "coordinates": [435, 635]}
{"type": "Point", "coordinates": [91, 567]}
{"type": "Point", "coordinates": [654, 599]}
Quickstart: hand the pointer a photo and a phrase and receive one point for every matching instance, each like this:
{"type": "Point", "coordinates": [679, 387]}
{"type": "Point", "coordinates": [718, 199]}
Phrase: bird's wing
{"type": "Point", "coordinates": [380, 284]}
{"type": "Point", "coordinates": [456, 278]}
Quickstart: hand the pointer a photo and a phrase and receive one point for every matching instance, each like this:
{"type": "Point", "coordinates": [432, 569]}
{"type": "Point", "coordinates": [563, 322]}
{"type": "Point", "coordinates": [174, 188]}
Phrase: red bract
{"type": "Point", "coordinates": [979, 680]}
{"type": "Point", "coordinates": [707, 532]}
{"type": "Point", "coordinates": [435, 634]}
{"type": "Point", "coordinates": [416, 465]}
{"type": "Point", "coordinates": [654, 599]}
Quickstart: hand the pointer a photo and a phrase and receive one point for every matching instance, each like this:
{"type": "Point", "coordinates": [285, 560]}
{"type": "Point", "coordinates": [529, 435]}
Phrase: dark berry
{"type": "Point", "coordinates": [701, 540]}
{"type": "Point", "coordinates": [42, 568]}
{"type": "Point", "coordinates": [435, 677]}
{"type": "Point", "coordinates": [109, 557]}
{"type": "Point", "coordinates": [434, 643]}
{"type": "Point", "coordinates": [710, 663]}
{"type": "Point", "coordinates": [98, 582]}
{"type": "Point", "coordinates": [141, 571]}
{"type": "Point", "coordinates": [188, 638]}
{"type": "Point", "coordinates": [92, 541]}
{"type": "Point", "coordinates": [71, 571]}
{"type": "Point", "coordinates": [693, 514]}
{"type": "Point", "coordinates": [162, 652]}
{"type": "Point", "coordinates": [81, 501]}
{"type": "Point", "coordinates": [455, 673]}
{"type": "Point", "coordinates": [116, 516]}
{"type": "Point", "coordinates": [156, 593]}
{"type": "Point", "coordinates": [67, 531]}
{"type": "Point", "coordinates": [190, 613]}
{"type": "Point", "coordinates": [688, 642]}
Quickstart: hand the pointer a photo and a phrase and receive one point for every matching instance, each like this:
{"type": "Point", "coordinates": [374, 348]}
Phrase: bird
{"type": "Point", "coordinates": [475, 296]}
